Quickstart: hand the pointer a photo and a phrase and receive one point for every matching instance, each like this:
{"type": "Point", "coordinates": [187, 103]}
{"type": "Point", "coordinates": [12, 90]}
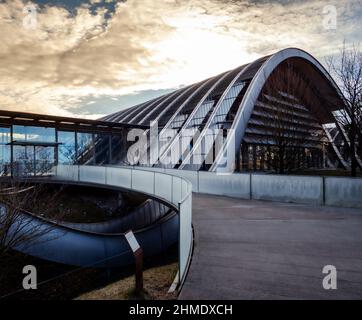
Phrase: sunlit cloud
{"type": "Point", "coordinates": [80, 62]}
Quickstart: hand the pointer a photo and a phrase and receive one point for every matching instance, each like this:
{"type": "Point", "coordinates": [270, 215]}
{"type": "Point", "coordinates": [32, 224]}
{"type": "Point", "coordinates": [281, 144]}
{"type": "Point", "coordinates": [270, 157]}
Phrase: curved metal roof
{"type": "Point", "coordinates": [228, 97]}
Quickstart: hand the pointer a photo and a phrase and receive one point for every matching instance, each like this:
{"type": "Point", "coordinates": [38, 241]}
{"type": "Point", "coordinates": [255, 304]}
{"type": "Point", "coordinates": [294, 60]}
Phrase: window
{"type": "Point", "coordinates": [33, 134]}
{"type": "Point", "coordinates": [44, 160]}
{"type": "Point", "coordinates": [5, 151]}
{"type": "Point", "coordinates": [66, 149]}
{"type": "Point", "coordinates": [85, 146]}
{"type": "Point", "coordinates": [102, 149]}
{"type": "Point", "coordinates": [24, 160]}
{"type": "Point", "coordinates": [118, 149]}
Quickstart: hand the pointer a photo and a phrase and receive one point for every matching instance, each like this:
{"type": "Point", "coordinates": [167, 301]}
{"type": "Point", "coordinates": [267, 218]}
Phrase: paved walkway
{"type": "Point", "coordinates": [264, 250]}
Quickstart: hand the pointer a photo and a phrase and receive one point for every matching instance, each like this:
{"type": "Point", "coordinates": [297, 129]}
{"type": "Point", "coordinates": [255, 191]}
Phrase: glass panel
{"type": "Point", "coordinates": [181, 117]}
{"type": "Point", "coordinates": [5, 155]}
{"type": "Point", "coordinates": [5, 135]}
{"type": "Point", "coordinates": [201, 113]}
{"type": "Point", "coordinates": [5, 159]}
{"type": "Point", "coordinates": [119, 150]}
{"type": "Point", "coordinates": [85, 152]}
{"type": "Point", "coordinates": [218, 122]}
{"type": "Point", "coordinates": [44, 160]}
{"type": "Point", "coordinates": [23, 160]}
{"type": "Point", "coordinates": [102, 149]}
{"type": "Point", "coordinates": [66, 149]}
{"type": "Point", "coordinates": [33, 134]}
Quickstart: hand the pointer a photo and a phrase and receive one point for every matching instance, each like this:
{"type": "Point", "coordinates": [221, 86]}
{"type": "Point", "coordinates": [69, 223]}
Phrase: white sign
{"type": "Point", "coordinates": [132, 241]}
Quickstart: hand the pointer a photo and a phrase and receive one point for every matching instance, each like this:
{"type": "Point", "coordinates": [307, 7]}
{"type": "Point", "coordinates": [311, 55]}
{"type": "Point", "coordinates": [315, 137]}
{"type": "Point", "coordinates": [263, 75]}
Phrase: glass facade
{"type": "Point", "coordinates": [220, 122]}
{"type": "Point", "coordinates": [85, 148]}
{"type": "Point", "coordinates": [32, 150]}
{"type": "Point", "coordinates": [118, 149]}
{"type": "Point", "coordinates": [102, 148]}
{"type": "Point", "coordinates": [269, 158]}
{"type": "Point", "coordinates": [33, 134]}
{"type": "Point", "coordinates": [5, 150]}
{"type": "Point", "coordinates": [66, 147]}
{"type": "Point", "coordinates": [44, 158]}
{"type": "Point", "coordinates": [24, 161]}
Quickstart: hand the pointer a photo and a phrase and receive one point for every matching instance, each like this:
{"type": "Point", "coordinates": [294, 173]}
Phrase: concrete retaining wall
{"type": "Point", "coordinates": [296, 189]}
{"type": "Point", "coordinates": [343, 192]}
{"type": "Point", "coordinates": [329, 191]}
{"type": "Point", "coordinates": [235, 185]}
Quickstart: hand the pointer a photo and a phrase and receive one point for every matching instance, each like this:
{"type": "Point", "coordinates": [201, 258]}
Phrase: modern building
{"type": "Point", "coordinates": [31, 144]}
{"type": "Point", "coordinates": [276, 114]}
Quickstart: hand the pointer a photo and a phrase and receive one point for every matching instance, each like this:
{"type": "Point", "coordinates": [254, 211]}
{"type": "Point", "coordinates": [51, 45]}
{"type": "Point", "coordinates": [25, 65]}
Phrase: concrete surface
{"type": "Point", "coordinates": [247, 249]}
{"type": "Point", "coordinates": [233, 185]}
{"type": "Point", "coordinates": [343, 192]}
{"type": "Point", "coordinates": [297, 189]}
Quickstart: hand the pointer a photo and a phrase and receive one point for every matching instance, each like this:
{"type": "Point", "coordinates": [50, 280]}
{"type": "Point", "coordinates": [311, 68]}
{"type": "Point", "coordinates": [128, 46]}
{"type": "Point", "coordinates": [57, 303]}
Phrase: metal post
{"type": "Point", "coordinates": [56, 151]}
{"type": "Point", "coordinates": [138, 255]}
{"type": "Point", "coordinates": [34, 159]}
{"type": "Point", "coordinates": [12, 151]}
{"type": "Point", "coordinates": [139, 270]}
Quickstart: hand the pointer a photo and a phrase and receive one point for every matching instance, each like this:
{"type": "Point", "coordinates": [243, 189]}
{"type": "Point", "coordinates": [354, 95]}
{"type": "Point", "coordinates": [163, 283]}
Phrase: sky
{"type": "Point", "coordinates": [91, 58]}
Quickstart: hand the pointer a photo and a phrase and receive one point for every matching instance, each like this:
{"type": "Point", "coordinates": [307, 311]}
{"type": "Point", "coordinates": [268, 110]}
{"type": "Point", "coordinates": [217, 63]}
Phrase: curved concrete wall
{"type": "Point", "coordinates": [171, 189]}
{"type": "Point", "coordinates": [65, 244]}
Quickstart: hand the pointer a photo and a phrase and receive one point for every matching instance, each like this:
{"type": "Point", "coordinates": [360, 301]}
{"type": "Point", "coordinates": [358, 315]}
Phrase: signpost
{"type": "Point", "coordinates": [138, 254]}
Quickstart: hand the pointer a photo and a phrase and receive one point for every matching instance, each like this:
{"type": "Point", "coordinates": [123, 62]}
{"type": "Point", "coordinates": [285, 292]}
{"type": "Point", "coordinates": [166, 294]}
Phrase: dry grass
{"type": "Point", "coordinates": [157, 281]}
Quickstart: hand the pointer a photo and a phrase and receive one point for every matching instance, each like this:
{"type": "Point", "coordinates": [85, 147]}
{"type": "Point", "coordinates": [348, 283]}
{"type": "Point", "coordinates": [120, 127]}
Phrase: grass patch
{"type": "Point", "coordinates": [157, 281]}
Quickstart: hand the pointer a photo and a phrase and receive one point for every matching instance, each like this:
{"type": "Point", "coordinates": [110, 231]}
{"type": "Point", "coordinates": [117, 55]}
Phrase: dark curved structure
{"type": "Point", "coordinates": [286, 96]}
{"type": "Point", "coordinates": [100, 245]}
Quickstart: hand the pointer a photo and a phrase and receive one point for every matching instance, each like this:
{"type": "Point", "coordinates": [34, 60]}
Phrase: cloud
{"type": "Point", "coordinates": [69, 58]}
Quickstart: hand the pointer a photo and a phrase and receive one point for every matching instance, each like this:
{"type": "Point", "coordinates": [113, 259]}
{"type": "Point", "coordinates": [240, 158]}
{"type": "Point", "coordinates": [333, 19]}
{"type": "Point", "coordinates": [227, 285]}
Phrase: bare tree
{"type": "Point", "coordinates": [347, 70]}
{"type": "Point", "coordinates": [20, 203]}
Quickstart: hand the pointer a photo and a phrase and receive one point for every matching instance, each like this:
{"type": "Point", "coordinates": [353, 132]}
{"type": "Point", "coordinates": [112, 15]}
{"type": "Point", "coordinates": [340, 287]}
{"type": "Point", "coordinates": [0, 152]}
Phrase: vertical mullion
{"type": "Point", "coordinates": [56, 160]}
{"type": "Point", "coordinates": [11, 152]}
{"type": "Point", "coordinates": [76, 147]}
